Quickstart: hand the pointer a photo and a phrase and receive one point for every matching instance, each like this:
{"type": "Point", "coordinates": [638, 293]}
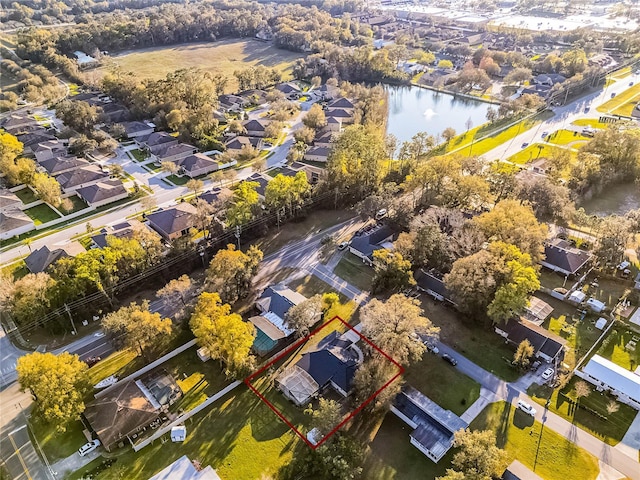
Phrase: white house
{"type": "Point", "coordinates": [606, 375]}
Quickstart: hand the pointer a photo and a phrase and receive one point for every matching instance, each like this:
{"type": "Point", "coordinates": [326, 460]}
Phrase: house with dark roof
{"type": "Point", "coordinates": [433, 426]}
{"type": "Point", "coordinates": [174, 222]}
{"type": "Point", "coordinates": [546, 345]}
{"type": "Point", "coordinates": [290, 89]}
{"type": "Point", "coordinates": [255, 128]}
{"type": "Point", "coordinates": [115, 112]}
{"type": "Point", "coordinates": [326, 92]}
{"type": "Point", "coordinates": [332, 366]}
{"type": "Point", "coordinates": [13, 221]}
{"type": "Point", "coordinates": [17, 122]}
{"type": "Point", "coordinates": [271, 326]}
{"type": "Point", "coordinates": [344, 115]}
{"type": "Point", "coordinates": [432, 285]}
{"type": "Point", "coordinates": [41, 259]}
{"type": "Point", "coordinates": [197, 164]}
{"type": "Point", "coordinates": [548, 79]}
{"type": "Point", "coordinates": [334, 124]}
{"type": "Point", "coordinates": [103, 193]}
{"type": "Point", "coordinates": [157, 142]}
{"type": "Point", "coordinates": [49, 149]}
{"type": "Point", "coordinates": [376, 239]}
{"type": "Point", "coordinates": [236, 144]}
{"type": "Point", "coordinates": [120, 230]}
{"type": "Point", "coordinates": [31, 139]}
{"type": "Point", "coordinates": [137, 129]}
{"type": "Point", "coordinates": [562, 257]}
{"type": "Point", "coordinates": [343, 103]}
{"type": "Point", "coordinates": [174, 152]}
{"type": "Point", "coordinates": [232, 102]}
{"type": "Point", "coordinates": [55, 166]}
{"type": "Point", "coordinates": [317, 154]}
{"type": "Point", "coordinates": [324, 140]}
{"type": "Point", "coordinates": [81, 177]}
{"type": "Point", "coordinates": [262, 182]}
{"type": "Point", "coordinates": [314, 173]}
{"type": "Point", "coordinates": [216, 194]}
{"type": "Point", "coordinates": [254, 96]}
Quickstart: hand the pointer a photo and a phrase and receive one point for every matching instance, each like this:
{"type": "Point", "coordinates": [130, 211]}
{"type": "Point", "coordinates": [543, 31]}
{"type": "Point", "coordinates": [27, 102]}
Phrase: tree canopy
{"type": "Point", "coordinates": [231, 271]}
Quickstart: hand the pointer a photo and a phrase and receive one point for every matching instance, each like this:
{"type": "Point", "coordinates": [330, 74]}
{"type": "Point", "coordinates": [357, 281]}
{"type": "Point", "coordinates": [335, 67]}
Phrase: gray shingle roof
{"type": "Point", "coordinates": [173, 220]}
{"type": "Point", "coordinates": [57, 165]}
{"type": "Point", "coordinates": [87, 174]}
{"type": "Point", "coordinates": [102, 190]}
{"type": "Point", "coordinates": [39, 260]}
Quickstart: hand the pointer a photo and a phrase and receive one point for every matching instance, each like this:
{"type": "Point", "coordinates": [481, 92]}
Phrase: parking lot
{"type": "Point", "coordinates": [20, 457]}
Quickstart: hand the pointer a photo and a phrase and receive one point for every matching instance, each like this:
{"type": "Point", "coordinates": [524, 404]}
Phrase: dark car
{"type": "Point", "coordinates": [450, 359]}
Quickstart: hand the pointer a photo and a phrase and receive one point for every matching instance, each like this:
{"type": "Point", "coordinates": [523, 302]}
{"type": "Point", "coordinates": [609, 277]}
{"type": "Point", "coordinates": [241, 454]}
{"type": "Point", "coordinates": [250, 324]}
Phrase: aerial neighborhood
{"type": "Point", "coordinates": [320, 240]}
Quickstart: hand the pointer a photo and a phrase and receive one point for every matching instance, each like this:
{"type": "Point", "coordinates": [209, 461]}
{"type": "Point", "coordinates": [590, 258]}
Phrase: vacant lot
{"type": "Point", "coordinates": [354, 271]}
{"type": "Point", "coordinates": [223, 57]}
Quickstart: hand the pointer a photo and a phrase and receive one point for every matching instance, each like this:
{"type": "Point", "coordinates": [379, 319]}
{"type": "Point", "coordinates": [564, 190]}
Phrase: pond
{"type": "Point", "coordinates": [616, 199]}
{"type": "Point", "coordinates": [414, 109]}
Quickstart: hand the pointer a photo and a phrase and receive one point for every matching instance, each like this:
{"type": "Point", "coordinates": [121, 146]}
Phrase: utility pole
{"type": "Point", "coordinates": [66, 307]}
{"type": "Point", "coordinates": [237, 234]}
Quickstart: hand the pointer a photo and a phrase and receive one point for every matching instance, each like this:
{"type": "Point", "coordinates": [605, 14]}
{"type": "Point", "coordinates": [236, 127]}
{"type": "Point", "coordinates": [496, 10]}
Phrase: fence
{"type": "Point", "coordinates": [185, 416]}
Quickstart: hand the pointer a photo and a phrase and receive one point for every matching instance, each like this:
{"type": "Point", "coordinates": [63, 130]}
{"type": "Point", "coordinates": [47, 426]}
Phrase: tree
{"type": "Point", "coordinates": [315, 117]}
{"type": "Point", "coordinates": [518, 76]}
{"type": "Point", "coordinates": [175, 289]}
{"type": "Point", "coordinates": [339, 458]}
{"type": "Point", "coordinates": [452, 475]}
{"type": "Point", "coordinates": [28, 298]}
{"type": "Point", "coordinates": [369, 207]}
{"type": "Point", "coordinates": [58, 383]}
{"type": "Point", "coordinates": [244, 204]}
{"type": "Point", "coordinates": [273, 130]}
{"type": "Point", "coordinates": [523, 354]}
{"type": "Point", "coordinates": [445, 64]}
{"type": "Point", "coordinates": [575, 61]}
{"type": "Point", "coordinates": [614, 233]}
{"type": "Point", "coordinates": [116, 170]}
{"type": "Point", "coordinates": [448, 134]}
{"type": "Point", "coordinates": [612, 407]}
{"type": "Point", "coordinates": [391, 271]}
{"type": "Point", "coordinates": [479, 458]}
{"type": "Point", "coordinates": [550, 202]}
{"type": "Point", "coordinates": [285, 192]}
{"type": "Point", "coordinates": [370, 377]}
{"type": "Point", "coordinates": [398, 327]}
{"type": "Point", "coordinates": [136, 327]}
{"type": "Point", "coordinates": [303, 316]}
{"type": "Point", "coordinates": [582, 389]}
{"type": "Point", "coordinates": [79, 115]}
{"type": "Point", "coordinates": [231, 271]}
{"type": "Point", "coordinates": [169, 167]}
{"type": "Point", "coordinates": [326, 417]}
{"type": "Point", "coordinates": [224, 334]}
{"type": "Point", "coordinates": [512, 222]}
{"type": "Point", "coordinates": [81, 145]}
{"type": "Point", "coordinates": [47, 189]}
{"type": "Point", "coordinates": [305, 135]}
{"type": "Point", "coordinates": [195, 185]}
{"type": "Point", "coordinates": [426, 58]}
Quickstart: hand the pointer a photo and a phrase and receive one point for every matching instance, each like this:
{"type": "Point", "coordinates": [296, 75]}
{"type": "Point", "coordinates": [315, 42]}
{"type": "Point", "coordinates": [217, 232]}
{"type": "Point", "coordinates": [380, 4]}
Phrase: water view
{"type": "Point", "coordinates": [414, 109]}
{"type": "Point", "coordinates": [618, 199]}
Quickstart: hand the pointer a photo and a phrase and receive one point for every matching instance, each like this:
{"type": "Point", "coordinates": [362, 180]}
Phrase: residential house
{"type": "Point", "coordinates": [262, 182]}
{"type": "Point", "coordinates": [120, 413]}
{"type": "Point", "coordinates": [115, 112]}
{"type": "Point", "coordinates": [314, 173]}
{"type": "Point", "coordinates": [49, 149]}
{"type": "Point", "coordinates": [343, 103]}
{"type": "Point", "coordinates": [324, 140]}
{"type": "Point", "coordinates": [432, 284]}
{"type": "Point", "coordinates": [433, 426]}
{"type": "Point", "coordinates": [137, 129]}
{"type": "Point", "coordinates": [317, 154]}
{"type": "Point", "coordinates": [410, 68]}
{"type": "Point", "coordinates": [332, 366]}
{"type": "Point", "coordinates": [232, 102]}
{"type": "Point", "coordinates": [157, 142]}
{"type": "Point", "coordinates": [82, 177]}
{"type": "Point", "coordinates": [197, 164]}
{"type": "Point", "coordinates": [13, 221]}
{"type": "Point", "coordinates": [185, 469]}
{"type": "Point", "coordinates": [334, 124]}
{"type": "Point", "coordinates": [364, 245]}
{"type": "Point", "coordinates": [103, 193]}
{"type": "Point", "coordinates": [174, 152]}
{"type": "Point", "coordinates": [31, 139]}
{"type": "Point", "coordinates": [344, 115]}
{"type": "Point", "coordinates": [124, 229]}
{"type": "Point", "coordinates": [290, 89]}
{"type": "Point", "coordinates": [326, 92]}
{"type": "Point", "coordinates": [546, 345]}
{"type": "Point", "coordinates": [16, 123]}
{"type": "Point", "coordinates": [254, 96]}
{"type": "Point", "coordinates": [216, 194]}
{"type": "Point", "coordinates": [562, 257]}
{"type": "Point", "coordinates": [236, 144]}
{"type": "Point", "coordinates": [41, 259]}
{"type": "Point", "coordinates": [608, 376]}
{"type": "Point", "coordinates": [255, 128]}
{"type": "Point", "coordinates": [174, 222]}
{"type": "Point", "coordinates": [85, 61]}
{"type": "Point", "coordinates": [548, 79]}
{"type": "Point", "coordinates": [55, 166]}
{"type": "Point", "coordinates": [271, 326]}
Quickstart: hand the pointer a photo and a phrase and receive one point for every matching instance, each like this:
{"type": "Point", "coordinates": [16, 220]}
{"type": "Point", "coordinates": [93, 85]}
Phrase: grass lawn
{"type": "Point", "coordinates": [26, 195]}
{"type": "Point", "coordinates": [177, 180]}
{"type": "Point", "coordinates": [390, 456]}
{"type": "Point", "coordinates": [609, 427]}
{"type": "Point", "coordinates": [351, 269]}
{"type": "Point", "coordinates": [590, 122]}
{"type": "Point", "coordinates": [223, 57]}
{"type": "Point", "coordinates": [119, 363]}
{"type": "Point", "coordinates": [239, 436]}
{"type": "Point", "coordinates": [612, 348]}
{"type": "Point", "coordinates": [16, 270]}
{"type": "Point", "coordinates": [78, 204]}
{"type": "Point", "coordinates": [621, 101]}
{"type": "Point", "coordinates": [566, 137]}
{"type": "Point", "coordinates": [556, 459]}
{"type": "Point", "coordinates": [58, 445]}
{"type": "Point", "coordinates": [153, 166]}
{"type": "Point", "coordinates": [41, 214]}
{"type": "Point", "coordinates": [312, 285]}
{"type": "Point", "coordinates": [442, 383]}
{"type": "Point", "coordinates": [138, 155]}
{"type": "Point", "coordinates": [475, 341]}
{"type": "Point", "coordinates": [608, 291]}
{"type": "Point", "coordinates": [534, 152]}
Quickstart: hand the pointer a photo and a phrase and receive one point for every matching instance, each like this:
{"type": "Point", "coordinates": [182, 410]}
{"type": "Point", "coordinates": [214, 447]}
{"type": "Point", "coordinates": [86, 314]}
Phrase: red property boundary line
{"type": "Point", "coordinates": [247, 381]}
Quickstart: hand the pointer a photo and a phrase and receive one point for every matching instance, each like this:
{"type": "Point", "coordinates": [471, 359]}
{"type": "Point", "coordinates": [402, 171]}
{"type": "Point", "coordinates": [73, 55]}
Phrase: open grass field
{"type": "Point", "coordinates": [622, 102]}
{"type": "Point", "coordinates": [567, 137]}
{"type": "Point", "coordinates": [41, 214]}
{"type": "Point", "coordinates": [516, 432]}
{"type": "Point", "coordinates": [609, 427]}
{"type": "Point", "coordinates": [442, 383]}
{"type": "Point", "coordinates": [590, 122]}
{"type": "Point", "coordinates": [351, 269]}
{"type": "Point", "coordinates": [534, 152]}
{"type": "Point", "coordinates": [223, 57]}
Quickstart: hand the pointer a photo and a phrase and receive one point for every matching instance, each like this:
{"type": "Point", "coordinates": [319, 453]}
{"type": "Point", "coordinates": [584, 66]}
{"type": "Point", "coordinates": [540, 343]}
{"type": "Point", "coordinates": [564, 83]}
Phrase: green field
{"type": "Point", "coordinates": [354, 271]}
{"type": "Point", "coordinates": [590, 122]}
{"type": "Point", "coordinates": [41, 214]}
{"type": "Point", "coordinates": [534, 152]}
{"type": "Point", "coordinates": [223, 57]}
{"type": "Point", "coordinates": [567, 137]}
{"type": "Point", "coordinates": [556, 458]}
{"type": "Point", "coordinates": [623, 103]}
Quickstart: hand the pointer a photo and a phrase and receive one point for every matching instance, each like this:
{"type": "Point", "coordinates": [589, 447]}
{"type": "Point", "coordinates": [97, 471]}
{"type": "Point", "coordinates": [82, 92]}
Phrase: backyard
{"type": "Point", "coordinates": [138, 155]}
{"type": "Point", "coordinates": [354, 271]}
{"type": "Point", "coordinates": [78, 204]}
{"type": "Point", "coordinates": [223, 57]}
{"type": "Point", "coordinates": [40, 214]}
{"type": "Point", "coordinates": [443, 383]}
{"type": "Point", "coordinates": [592, 415]}
{"type": "Point", "coordinates": [553, 457]}
{"type": "Point", "coordinates": [26, 195]}
{"type": "Point", "coordinates": [613, 348]}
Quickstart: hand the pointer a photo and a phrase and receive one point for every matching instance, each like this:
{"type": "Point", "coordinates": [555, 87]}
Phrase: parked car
{"type": "Point", "coordinates": [547, 374]}
{"type": "Point", "coordinates": [343, 245]}
{"type": "Point", "coordinates": [91, 361]}
{"type": "Point", "coordinates": [613, 94]}
{"type": "Point", "coordinates": [432, 348]}
{"type": "Point", "coordinates": [448, 358]}
{"type": "Point", "coordinates": [88, 447]}
{"type": "Point", "coordinates": [524, 145]}
{"type": "Point", "coordinates": [544, 134]}
{"type": "Point", "coordinates": [586, 109]}
{"type": "Point", "coordinates": [631, 84]}
{"type": "Point", "coordinates": [381, 213]}
{"type": "Point", "coordinates": [526, 408]}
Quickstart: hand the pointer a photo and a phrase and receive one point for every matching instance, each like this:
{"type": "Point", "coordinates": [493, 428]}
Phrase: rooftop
{"type": "Point", "coordinates": [615, 376]}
